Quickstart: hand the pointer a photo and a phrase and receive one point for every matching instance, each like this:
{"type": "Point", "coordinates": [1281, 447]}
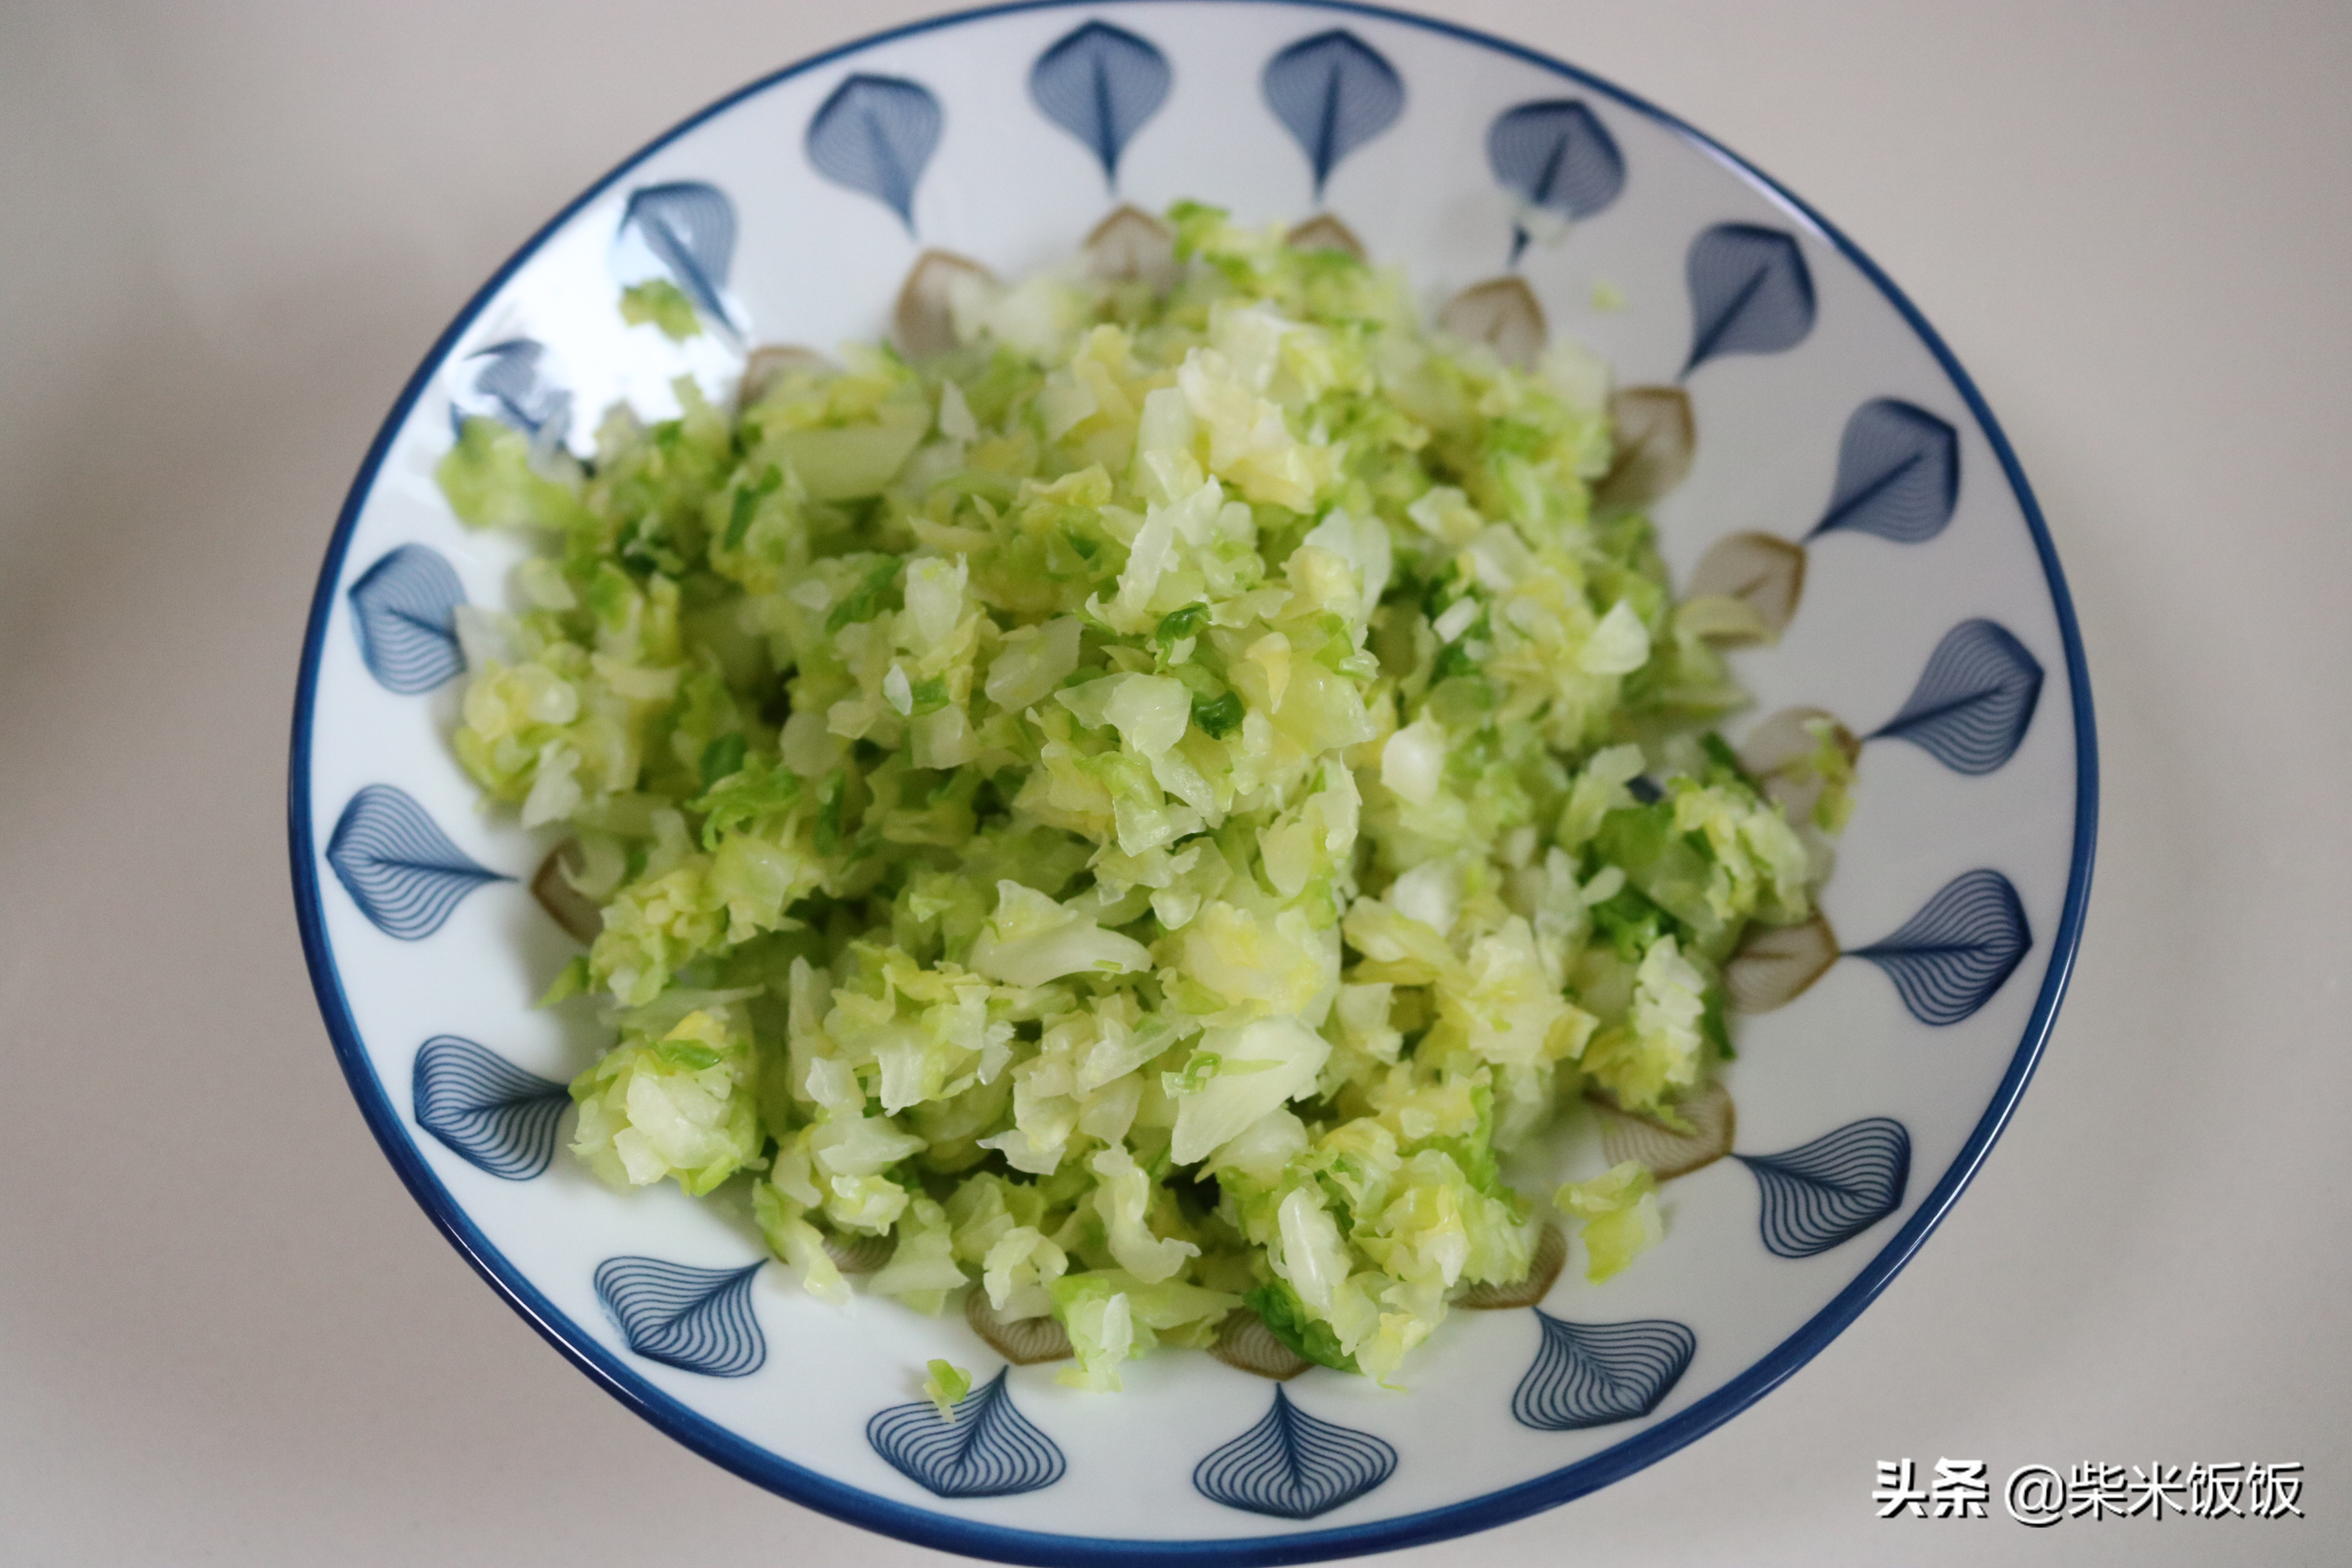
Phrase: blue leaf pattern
{"type": "Point", "coordinates": [398, 866]}
{"type": "Point", "coordinates": [491, 1112]}
{"type": "Point", "coordinates": [1594, 1374]}
{"type": "Point", "coordinates": [1833, 1188]}
{"type": "Point", "coordinates": [875, 135]}
{"type": "Point", "coordinates": [1100, 83]}
{"type": "Point", "coordinates": [1334, 92]}
{"type": "Point", "coordinates": [404, 609]}
{"type": "Point", "coordinates": [1557, 156]}
{"type": "Point", "coordinates": [1898, 474]}
{"type": "Point", "coordinates": [1750, 292]}
{"type": "Point", "coordinates": [1292, 1466]}
{"type": "Point", "coordinates": [511, 384]}
{"type": "Point", "coordinates": [988, 1448]}
{"type": "Point", "coordinates": [1950, 957]}
{"type": "Point", "coordinates": [1974, 701]}
{"type": "Point", "coordinates": [690, 229]}
{"type": "Point", "coordinates": [698, 1319]}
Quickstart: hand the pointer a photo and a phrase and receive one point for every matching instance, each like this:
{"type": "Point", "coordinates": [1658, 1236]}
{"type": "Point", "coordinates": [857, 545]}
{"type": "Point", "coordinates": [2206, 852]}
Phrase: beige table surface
{"type": "Point", "coordinates": [228, 231]}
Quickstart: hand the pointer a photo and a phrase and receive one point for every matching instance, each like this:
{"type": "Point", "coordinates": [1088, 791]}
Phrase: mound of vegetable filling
{"type": "Point", "coordinates": [1146, 808]}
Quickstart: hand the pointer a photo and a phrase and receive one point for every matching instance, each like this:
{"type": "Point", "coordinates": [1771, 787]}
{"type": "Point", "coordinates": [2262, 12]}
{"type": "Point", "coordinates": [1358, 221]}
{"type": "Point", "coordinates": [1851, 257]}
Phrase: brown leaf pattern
{"type": "Point", "coordinates": [1246, 1344]}
{"type": "Point", "coordinates": [1550, 1256]}
{"type": "Point", "coordinates": [1766, 572]}
{"type": "Point", "coordinates": [1656, 442]}
{"type": "Point", "coordinates": [1023, 1341]}
{"type": "Point", "coordinates": [925, 318]}
{"type": "Point", "coordinates": [858, 1254]}
{"type": "Point", "coordinates": [569, 908]}
{"type": "Point", "coordinates": [1502, 312]}
{"type": "Point", "coordinates": [1132, 245]}
{"type": "Point", "coordinates": [1669, 1151]}
{"type": "Point", "coordinates": [1324, 232]}
{"type": "Point", "coordinates": [1776, 964]}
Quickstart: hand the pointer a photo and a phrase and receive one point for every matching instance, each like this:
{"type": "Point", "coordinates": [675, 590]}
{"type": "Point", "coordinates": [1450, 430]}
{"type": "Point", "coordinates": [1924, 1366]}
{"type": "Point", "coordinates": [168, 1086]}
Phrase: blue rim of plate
{"type": "Point", "coordinates": [945, 1531]}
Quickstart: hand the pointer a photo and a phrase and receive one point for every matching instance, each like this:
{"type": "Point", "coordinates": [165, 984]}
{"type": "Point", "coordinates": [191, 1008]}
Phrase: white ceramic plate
{"type": "Point", "coordinates": [1933, 620]}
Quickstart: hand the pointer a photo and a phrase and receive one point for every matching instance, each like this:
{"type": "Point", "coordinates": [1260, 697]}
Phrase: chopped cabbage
{"type": "Point", "coordinates": [1146, 811]}
{"type": "Point", "coordinates": [1619, 1211]}
{"type": "Point", "coordinates": [945, 1386]}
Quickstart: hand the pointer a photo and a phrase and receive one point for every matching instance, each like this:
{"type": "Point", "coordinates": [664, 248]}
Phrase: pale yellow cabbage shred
{"type": "Point", "coordinates": [1136, 809]}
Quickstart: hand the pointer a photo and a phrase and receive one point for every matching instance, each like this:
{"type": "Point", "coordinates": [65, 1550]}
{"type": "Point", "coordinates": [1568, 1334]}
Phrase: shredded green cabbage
{"type": "Point", "coordinates": [1620, 1210]}
{"type": "Point", "coordinates": [1137, 808]}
